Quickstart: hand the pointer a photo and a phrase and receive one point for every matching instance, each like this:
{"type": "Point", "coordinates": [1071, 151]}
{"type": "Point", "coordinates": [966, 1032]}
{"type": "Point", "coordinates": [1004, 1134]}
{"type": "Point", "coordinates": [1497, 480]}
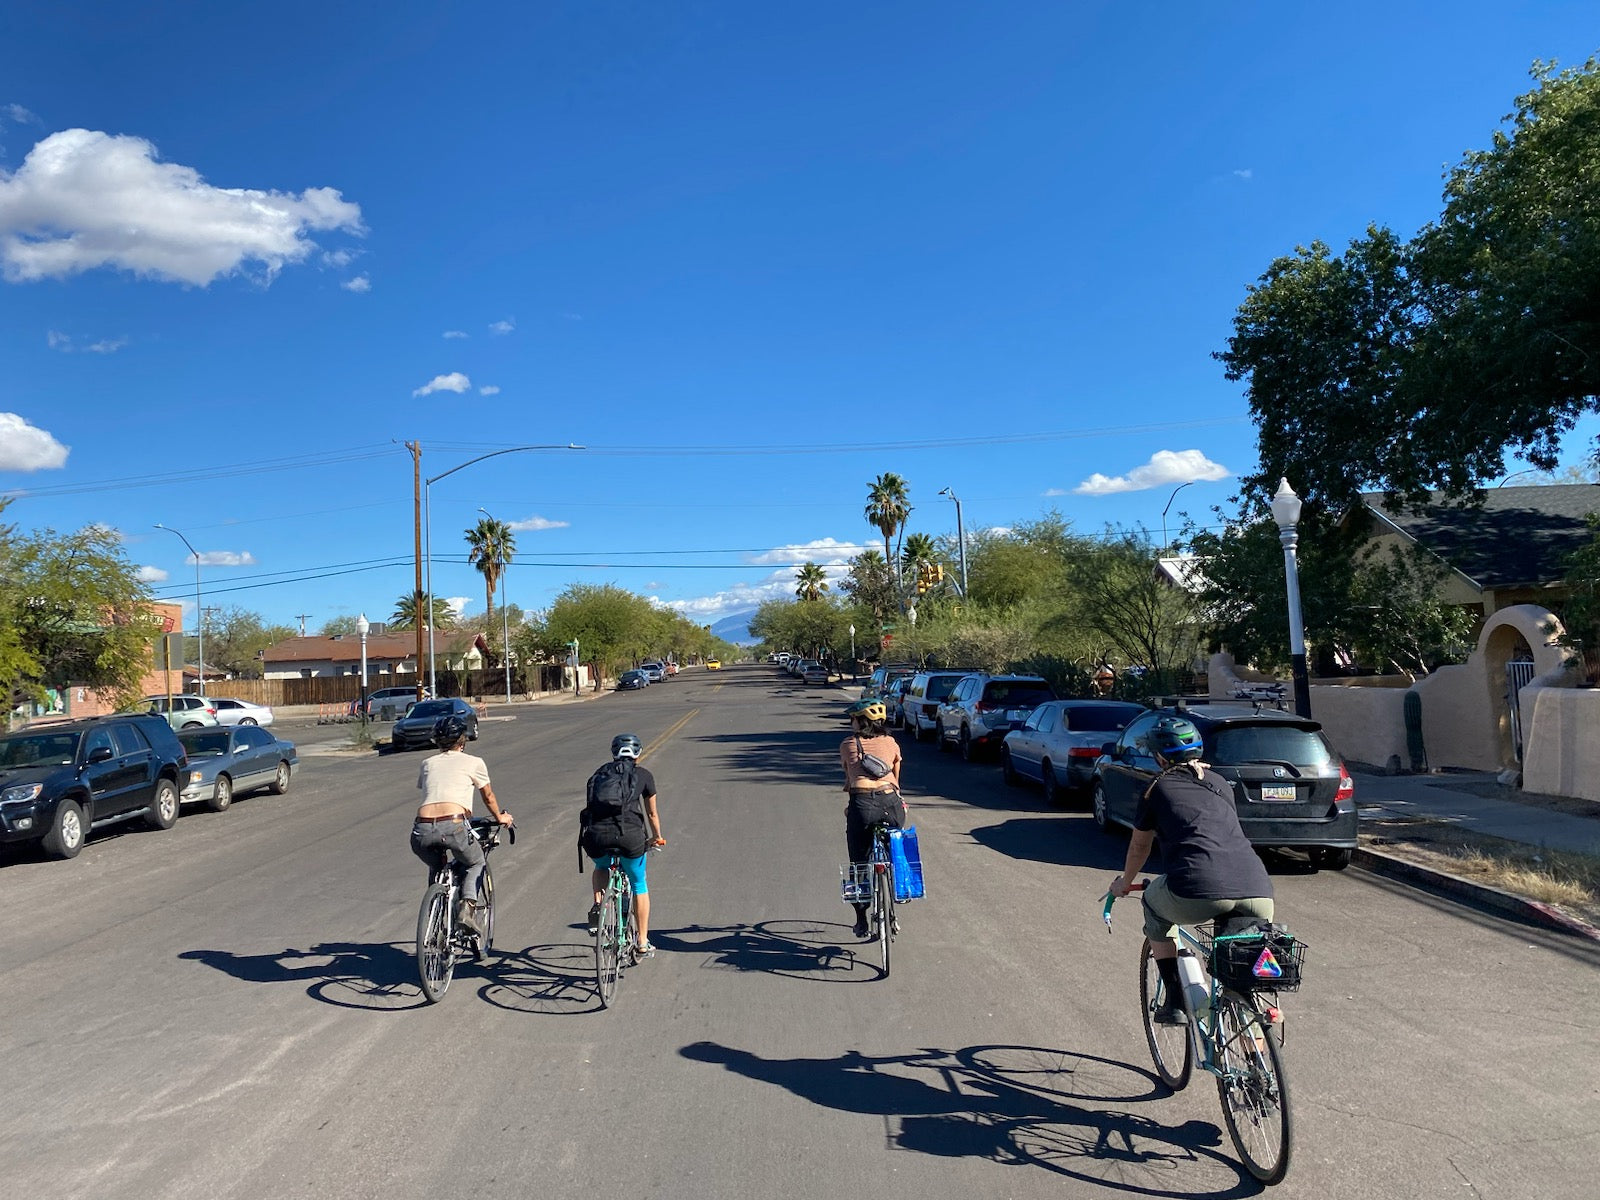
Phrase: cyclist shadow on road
{"type": "Point", "coordinates": [1069, 1113]}
{"type": "Point", "coordinates": [371, 975]}
{"type": "Point", "coordinates": [553, 979]}
{"type": "Point", "coordinates": [816, 951]}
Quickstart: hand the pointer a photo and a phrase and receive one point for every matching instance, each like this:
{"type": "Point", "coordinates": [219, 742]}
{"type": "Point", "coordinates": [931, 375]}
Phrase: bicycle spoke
{"type": "Point", "coordinates": [1254, 1093]}
{"type": "Point", "coordinates": [435, 956]}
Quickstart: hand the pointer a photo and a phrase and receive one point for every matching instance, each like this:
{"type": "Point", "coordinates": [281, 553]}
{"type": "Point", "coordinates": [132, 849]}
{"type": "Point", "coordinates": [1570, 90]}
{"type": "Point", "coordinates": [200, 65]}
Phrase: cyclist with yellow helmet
{"type": "Point", "coordinates": [871, 760]}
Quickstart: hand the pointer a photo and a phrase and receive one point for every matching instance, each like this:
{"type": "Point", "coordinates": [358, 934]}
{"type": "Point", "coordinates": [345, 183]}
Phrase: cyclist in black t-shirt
{"type": "Point", "coordinates": [1212, 870]}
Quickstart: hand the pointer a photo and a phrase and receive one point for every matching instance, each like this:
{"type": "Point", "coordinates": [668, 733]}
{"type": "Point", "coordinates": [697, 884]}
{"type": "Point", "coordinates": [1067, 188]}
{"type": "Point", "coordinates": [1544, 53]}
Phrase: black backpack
{"type": "Point", "coordinates": [612, 821]}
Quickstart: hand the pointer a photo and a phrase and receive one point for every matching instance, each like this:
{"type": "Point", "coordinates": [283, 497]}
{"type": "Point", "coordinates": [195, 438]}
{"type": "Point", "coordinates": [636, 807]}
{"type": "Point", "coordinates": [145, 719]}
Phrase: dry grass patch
{"type": "Point", "coordinates": [1568, 881]}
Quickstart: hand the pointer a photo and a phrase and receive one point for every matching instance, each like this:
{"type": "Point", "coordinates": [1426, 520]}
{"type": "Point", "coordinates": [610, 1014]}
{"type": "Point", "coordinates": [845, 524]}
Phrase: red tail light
{"type": "Point", "coordinates": [984, 706]}
{"type": "Point", "coordinates": [1083, 752]}
{"type": "Point", "coordinates": [1347, 786]}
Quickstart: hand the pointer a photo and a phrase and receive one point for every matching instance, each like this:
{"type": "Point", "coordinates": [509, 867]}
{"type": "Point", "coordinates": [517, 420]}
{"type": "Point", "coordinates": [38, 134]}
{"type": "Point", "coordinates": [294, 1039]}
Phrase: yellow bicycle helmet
{"type": "Point", "coordinates": [868, 710]}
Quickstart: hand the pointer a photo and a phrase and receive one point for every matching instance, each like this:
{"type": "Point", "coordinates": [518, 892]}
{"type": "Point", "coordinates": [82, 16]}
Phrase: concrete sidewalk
{"type": "Point", "coordinates": [1430, 797]}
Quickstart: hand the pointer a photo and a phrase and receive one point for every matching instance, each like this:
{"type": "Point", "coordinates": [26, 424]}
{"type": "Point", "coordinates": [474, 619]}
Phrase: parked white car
{"type": "Point", "coordinates": [240, 712]}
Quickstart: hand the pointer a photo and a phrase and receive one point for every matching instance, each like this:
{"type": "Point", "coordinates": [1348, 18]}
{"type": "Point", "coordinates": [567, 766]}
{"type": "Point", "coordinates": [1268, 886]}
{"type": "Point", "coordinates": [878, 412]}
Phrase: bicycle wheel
{"type": "Point", "coordinates": [1255, 1095]}
{"type": "Point", "coordinates": [485, 943]}
{"type": "Point", "coordinates": [1171, 1046]}
{"type": "Point", "coordinates": [436, 959]}
{"type": "Point", "coordinates": [883, 914]}
{"type": "Point", "coordinates": [608, 949]}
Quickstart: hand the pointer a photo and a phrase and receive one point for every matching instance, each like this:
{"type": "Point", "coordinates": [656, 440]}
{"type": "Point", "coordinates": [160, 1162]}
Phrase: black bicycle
{"type": "Point", "coordinates": [872, 883]}
{"type": "Point", "coordinates": [442, 940]}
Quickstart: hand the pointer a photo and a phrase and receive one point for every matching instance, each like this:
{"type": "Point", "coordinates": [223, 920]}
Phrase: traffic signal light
{"type": "Point", "coordinates": [938, 572]}
{"type": "Point", "coordinates": [924, 578]}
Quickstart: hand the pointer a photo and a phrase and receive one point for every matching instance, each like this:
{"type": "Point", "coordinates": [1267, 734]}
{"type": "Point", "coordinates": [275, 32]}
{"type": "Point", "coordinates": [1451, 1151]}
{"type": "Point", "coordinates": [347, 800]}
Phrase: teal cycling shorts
{"type": "Point", "coordinates": [633, 868]}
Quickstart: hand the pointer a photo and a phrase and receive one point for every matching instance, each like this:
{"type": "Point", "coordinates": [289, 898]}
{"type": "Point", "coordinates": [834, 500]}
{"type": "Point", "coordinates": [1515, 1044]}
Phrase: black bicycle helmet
{"type": "Point", "coordinates": [626, 745]}
{"type": "Point", "coordinates": [1176, 739]}
{"type": "Point", "coordinates": [449, 729]}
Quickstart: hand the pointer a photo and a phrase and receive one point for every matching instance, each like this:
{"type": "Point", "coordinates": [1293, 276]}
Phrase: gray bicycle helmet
{"type": "Point", "coordinates": [449, 729]}
{"type": "Point", "coordinates": [1176, 739]}
{"type": "Point", "coordinates": [626, 745]}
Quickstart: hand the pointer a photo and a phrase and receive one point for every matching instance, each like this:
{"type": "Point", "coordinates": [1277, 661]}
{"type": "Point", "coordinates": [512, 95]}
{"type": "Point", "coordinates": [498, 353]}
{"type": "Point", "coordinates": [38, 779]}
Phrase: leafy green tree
{"type": "Point", "coordinates": [344, 625]}
{"type": "Point", "coordinates": [72, 612]}
{"type": "Point", "coordinates": [235, 638]}
{"type": "Point", "coordinates": [810, 581]}
{"type": "Point", "coordinates": [870, 588]}
{"type": "Point", "coordinates": [1124, 598]}
{"type": "Point", "coordinates": [492, 545]}
{"type": "Point", "coordinates": [408, 604]}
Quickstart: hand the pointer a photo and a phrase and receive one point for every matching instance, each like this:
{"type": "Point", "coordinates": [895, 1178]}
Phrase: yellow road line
{"type": "Point", "coordinates": [716, 689]}
{"type": "Point", "coordinates": [660, 741]}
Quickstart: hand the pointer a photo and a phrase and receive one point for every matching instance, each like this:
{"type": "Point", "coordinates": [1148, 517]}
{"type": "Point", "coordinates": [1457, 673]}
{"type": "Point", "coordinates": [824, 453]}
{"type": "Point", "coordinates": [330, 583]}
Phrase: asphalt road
{"type": "Point", "coordinates": [230, 1009]}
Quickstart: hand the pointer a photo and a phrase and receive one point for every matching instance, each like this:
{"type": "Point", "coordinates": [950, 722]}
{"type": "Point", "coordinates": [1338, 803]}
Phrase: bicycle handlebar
{"type": "Point", "coordinates": [1111, 898]}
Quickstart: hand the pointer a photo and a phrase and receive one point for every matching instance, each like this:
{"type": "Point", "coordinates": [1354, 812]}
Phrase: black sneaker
{"type": "Point", "coordinates": [1169, 1014]}
{"type": "Point", "coordinates": [861, 929]}
{"type": "Point", "coordinates": [594, 920]}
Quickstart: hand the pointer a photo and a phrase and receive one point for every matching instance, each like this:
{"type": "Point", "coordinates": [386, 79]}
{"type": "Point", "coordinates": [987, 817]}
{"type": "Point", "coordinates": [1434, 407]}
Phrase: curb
{"type": "Point", "coordinates": [1532, 911]}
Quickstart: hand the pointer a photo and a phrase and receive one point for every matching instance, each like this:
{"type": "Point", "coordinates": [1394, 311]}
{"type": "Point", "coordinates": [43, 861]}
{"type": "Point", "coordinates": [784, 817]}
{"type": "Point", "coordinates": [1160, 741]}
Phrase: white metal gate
{"type": "Point", "coordinates": [1519, 673]}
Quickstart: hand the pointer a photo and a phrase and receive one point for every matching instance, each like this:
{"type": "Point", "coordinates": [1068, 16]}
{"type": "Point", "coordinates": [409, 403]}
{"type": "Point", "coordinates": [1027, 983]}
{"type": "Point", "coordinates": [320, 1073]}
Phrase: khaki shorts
{"type": "Point", "coordinates": [1164, 911]}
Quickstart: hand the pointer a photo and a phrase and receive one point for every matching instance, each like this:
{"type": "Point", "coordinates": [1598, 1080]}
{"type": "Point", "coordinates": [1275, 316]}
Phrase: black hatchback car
{"type": "Point", "coordinates": [1290, 787]}
{"type": "Point", "coordinates": [57, 782]}
{"type": "Point", "coordinates": [416, 727]}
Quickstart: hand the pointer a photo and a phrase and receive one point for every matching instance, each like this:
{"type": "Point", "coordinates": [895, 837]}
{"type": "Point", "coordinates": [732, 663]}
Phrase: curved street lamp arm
{"type": "Point", "coordinates": [497, 454]}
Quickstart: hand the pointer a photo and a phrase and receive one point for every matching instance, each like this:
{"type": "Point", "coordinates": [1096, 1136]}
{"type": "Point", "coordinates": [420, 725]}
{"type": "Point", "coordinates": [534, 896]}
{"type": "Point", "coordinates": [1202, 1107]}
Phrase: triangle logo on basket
{"type": "Point", "coordinates": [1267, 966]}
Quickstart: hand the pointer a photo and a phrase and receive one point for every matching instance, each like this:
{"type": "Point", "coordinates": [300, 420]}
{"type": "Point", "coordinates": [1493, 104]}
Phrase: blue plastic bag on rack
{"type": "Point", "coordinates": [907, 863]}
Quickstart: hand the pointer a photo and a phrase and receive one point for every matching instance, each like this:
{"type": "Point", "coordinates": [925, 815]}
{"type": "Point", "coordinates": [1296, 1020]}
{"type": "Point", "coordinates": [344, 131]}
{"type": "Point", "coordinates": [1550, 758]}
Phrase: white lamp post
{"type": "Point", "coordinates": [505, 621]}
{"type": "Point", "coordinates": [852, 654]}
{"type": "Point", "coordinates": [199, 613]}
{"type": "Point", "coordinates": [1286, 512]}
{"type": "Point", "coordinates": [363, 627]}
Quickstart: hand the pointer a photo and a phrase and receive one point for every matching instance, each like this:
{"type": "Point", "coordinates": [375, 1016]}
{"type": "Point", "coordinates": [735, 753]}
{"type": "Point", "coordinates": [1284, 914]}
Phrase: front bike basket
{"type": "Point", "coordinates": [855, 883]}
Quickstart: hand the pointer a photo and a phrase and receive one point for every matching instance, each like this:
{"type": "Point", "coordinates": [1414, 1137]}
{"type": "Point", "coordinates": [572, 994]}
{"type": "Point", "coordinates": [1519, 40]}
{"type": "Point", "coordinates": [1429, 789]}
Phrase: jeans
{"type": "Point", "coordinates": [431, 840]}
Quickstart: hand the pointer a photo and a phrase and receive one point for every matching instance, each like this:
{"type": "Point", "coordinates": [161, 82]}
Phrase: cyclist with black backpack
{"type": "Point", "coordinates": [619, 827]}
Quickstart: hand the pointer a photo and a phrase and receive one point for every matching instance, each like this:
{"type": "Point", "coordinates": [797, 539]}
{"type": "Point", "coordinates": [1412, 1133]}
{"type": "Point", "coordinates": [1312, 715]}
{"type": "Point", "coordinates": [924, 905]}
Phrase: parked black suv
{"type": "Point", "coordinates": [1289, 785]}
{"type": "Point", "coordinates": [57, 782]}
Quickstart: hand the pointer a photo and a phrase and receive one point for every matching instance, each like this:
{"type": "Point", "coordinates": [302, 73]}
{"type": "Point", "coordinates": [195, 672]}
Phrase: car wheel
{"type": "Point", "coordinates": [1052, 789]}
{"type": "Point", "coordinates": [472, 734]}
{"type": "Point", "coordinates": [163, 812]}
{"type": "Point", "coordinates": [280, 779]}
{"type": "Point", "coordinates": [247, 720]}
{"type": "Point", "coordinates": [1102, 816]}
{"type": "Point", "coordinates": [65, 836]}
{"type": "Point", "coordinates": [1331, 858]}
{"type": "Point", "coordinates": [917, 735]}
{"type": "Point", "coordinates": [1007, 771]}
{"type": "Point", "coordinates": [192, 725]}
{"type": "Point", "coordinates": [222, 796]}
{"type": "Point", "coordinates": [938, 735]}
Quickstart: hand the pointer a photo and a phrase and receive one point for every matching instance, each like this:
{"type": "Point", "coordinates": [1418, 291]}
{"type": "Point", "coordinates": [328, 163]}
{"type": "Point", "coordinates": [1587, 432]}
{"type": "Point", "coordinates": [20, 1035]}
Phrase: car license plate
{"type": "Point", "coordinates": [1277, 791]}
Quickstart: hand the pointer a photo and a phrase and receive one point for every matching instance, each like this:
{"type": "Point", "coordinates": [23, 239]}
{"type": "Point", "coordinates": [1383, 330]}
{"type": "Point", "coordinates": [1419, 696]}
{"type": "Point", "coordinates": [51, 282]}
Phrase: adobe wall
{"type": "Point", "coordinates": [1365, 724]}
{"type": "Point", "coordinates": [1561, 754]}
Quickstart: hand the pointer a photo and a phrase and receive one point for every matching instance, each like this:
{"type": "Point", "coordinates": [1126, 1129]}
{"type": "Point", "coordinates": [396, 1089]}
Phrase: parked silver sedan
{"type": "Point", "coordinates": [1059, 742]}
{"type": "Point", "coordinates": [226, 762]}
{"type": "Point", "coordinates": [240, 712]}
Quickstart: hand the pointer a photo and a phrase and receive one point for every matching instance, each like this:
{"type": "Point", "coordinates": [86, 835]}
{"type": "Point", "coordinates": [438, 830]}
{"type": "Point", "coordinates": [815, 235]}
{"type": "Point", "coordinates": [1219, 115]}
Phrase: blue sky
{"type": "Point", "coordinates": [749, 256]}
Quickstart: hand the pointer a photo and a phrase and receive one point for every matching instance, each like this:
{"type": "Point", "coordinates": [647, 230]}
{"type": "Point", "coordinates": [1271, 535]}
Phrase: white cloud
{"type": "Point", "coordinates": [489, 389]}
{"type": "Point", "coordinates": [104, 530]}
{"type": "Point", "coordinates": [84, 199]}
{"type": "Point", "coordinates": [25, 447]}
{"type": "Point", "coordinates": [150, 575]}
{"type": "Point", "coordinates": [825, 551]}
{"type": "Point", "coordinates": [453, 382]}
{"type": "Point", "coordinates": [225, 558]}
{"type": "Point", "coordinates": [1055, 491]}
{"type": "Point", "coordinates": [18, 115]}
{"type": "Point", "coordinates": [339, 258]}
{"type": "Point", "coordinates": [65, 343]}
{"type": "Point", "coordinates": [535, 523]}
{"type": "Point", "coordinates": [456, 333]}
{"type": "Point", "coordinates": [1165, 468]}
{"type": "Point", "coordinates": [506, 326]}
{"type": "Point", "coordinates": [1246, 173]}
{"type": "Point", "coordinates": [458, 604]}
{"type": "Point", "coordinates": [359, 284]}
{"type": "Point", "coordinates": [779, 585]}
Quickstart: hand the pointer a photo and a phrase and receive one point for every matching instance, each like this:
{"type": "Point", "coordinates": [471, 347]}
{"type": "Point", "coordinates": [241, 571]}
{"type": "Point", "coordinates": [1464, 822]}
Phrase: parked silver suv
{"type": "Point", "coordinates": [981, 709]}
{"type": "Point", "coordinates": [920, 706]}
{"type": "Point", "coordinates": [181, 711]}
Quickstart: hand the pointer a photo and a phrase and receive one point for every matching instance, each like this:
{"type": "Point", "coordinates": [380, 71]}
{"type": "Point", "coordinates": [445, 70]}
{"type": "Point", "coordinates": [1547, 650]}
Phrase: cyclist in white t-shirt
{"type": "Point", "coordinates": [449, 782]}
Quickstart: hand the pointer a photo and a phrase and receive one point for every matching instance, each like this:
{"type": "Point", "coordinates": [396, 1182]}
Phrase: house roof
{"type": "Point", "coordinates": [341, 649]}
{"type": "Point", "coordinates": [1520, 536]}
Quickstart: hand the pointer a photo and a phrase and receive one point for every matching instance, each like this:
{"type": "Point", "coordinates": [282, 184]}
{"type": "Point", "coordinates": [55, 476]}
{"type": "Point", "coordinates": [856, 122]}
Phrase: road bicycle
{"type": "Point", "coordinates": [615, 945]}
{"type": "Point", "coordinates": [872, 883]}
{"type": "Point", "coordinates": [442, 940]}
{"type": "Point", "coordinates": [1233, 1027]}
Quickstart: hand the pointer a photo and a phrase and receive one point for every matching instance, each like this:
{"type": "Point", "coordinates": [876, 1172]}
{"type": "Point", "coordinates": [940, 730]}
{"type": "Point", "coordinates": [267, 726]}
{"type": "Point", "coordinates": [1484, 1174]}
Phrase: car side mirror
{"type": "Point", "coordinates": [1109, 749]}
{"type": "Point", "coordinates": [101, 754]}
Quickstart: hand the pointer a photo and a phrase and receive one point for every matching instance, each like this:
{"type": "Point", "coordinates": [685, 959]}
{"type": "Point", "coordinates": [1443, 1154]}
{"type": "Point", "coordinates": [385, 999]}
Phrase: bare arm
{"type": "Point", "coordinates": [493, 804]}
{"type": "Point", "coordinates": [653, 817]}
{"type": "Point", "coordinates": [1138, 852]}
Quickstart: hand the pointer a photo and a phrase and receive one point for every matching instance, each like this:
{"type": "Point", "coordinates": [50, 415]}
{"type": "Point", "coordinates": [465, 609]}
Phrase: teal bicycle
{"type": "Point", "coordinates": [1233, 1027]}
{"type": "Point", "coordinates": [615, 944]}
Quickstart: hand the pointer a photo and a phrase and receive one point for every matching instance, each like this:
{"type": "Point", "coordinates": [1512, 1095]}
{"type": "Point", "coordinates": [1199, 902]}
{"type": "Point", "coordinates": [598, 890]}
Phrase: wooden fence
{"type": "Point", "coordinates": [337, 689]}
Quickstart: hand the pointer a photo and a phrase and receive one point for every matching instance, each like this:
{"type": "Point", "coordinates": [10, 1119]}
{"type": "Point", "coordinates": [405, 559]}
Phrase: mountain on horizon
{"type": "Point", "coordinates": [735, 628]}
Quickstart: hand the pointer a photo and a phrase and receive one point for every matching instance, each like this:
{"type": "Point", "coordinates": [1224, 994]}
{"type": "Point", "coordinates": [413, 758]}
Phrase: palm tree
{"type": "Point", "coordinates": [810, 581]}
{"type": "Point", "coordinates": [493, 545]}
{"type": "Point", "coordinates": [919, 549]}
{"type": "Point", "coordinates": [888, 508]}
{"type": "Point", "coordinates": [408, 604]}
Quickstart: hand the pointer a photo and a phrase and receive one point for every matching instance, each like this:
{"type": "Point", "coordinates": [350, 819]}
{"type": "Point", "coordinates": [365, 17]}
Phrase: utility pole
{"type": "Point", "coordinates": [416, 507]}
{"type": "Point", "coordinates": [301, 617]}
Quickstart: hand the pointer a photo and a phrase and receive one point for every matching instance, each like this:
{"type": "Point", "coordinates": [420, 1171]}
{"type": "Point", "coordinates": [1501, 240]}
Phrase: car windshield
{"type": "Point", "coordinates": [205, 743]}
{"type": "Point", "coordinates": [1235, 744]}
{"type": "Point", "coordinates": [633, 675]}
{"type": "Point", "coordinates": [39, 750]}
{"type": "Point", "coordinates": [1100, 718]}
{"type": "Point", "coordinates": [1017, 693]}
{"type": "Point", "coordinates": [431, 708]}
{"type": "Point", "coordinates": [941, 686]}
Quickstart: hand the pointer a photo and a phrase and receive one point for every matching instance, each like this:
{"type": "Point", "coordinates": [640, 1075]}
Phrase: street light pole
{"type": "Point", "coordinates": [363, 627]}
{"type": "Point", "coordinates": [1170, 499]}
{"type": "Point", "coordinates": [199, 613]}
{"type": "Point", "coordinates": [427, 507]}
{"type": "Point", "coordinates": [961, 540]}
{"type": "Point", "coordinates": [505, 625]}
{"type": "Point", "coordinates": [1286, 512]}
{"type": "Point", "coordinates": [852, 654]}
